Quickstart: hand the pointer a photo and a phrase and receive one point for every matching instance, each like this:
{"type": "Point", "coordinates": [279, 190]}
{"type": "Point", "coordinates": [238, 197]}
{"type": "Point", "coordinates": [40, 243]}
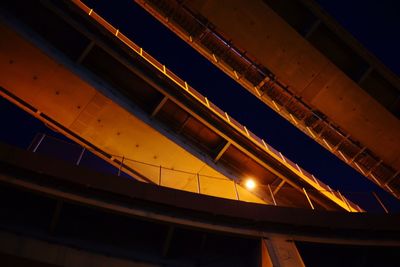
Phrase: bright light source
{"type": "Point", "coordinates": [250, 184]}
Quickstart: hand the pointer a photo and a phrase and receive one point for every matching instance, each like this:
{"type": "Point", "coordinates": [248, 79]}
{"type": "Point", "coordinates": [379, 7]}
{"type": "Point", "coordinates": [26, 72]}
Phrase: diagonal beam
{"type": "Point", "coordinates": [358, 153]}
{"type": "Point", "coordinates": [365, 75]}
{"type": "Point", "coordinates": [182, 126]}
{"type": "Point", "coordinates": [276, 190]}
{"type": "Point", "coordinates": [222, 151]}
{"type": "Point", "coordinates": [313, 28]}
{"type": "Point", "coordinates": [392, 178]}
{"type": "Point", "coordinates": [159, 106]}
{"type": "Point", "coordinates": [85, 52]}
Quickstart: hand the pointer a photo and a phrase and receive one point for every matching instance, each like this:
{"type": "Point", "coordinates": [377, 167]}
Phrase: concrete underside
{"type": "Point", "coordinates": [300, 63]}
{"type": "Point", "coordinates": [101, 101]}
{"type": "Point", "coordinates": [255, 27]}
{"type": "Point", "coordinates": [55, 91]}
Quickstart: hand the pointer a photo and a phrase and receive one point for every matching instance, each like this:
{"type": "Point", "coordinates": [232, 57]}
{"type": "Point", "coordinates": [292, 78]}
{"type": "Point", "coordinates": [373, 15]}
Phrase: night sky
{"type": "Point", "coordinates": [373, 25]}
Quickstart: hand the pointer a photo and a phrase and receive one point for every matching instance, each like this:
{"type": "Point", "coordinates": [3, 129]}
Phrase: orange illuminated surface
{"type": "Point", "coordinates": [99, 119]}
{"type": "Point", "coordinates": [83, 111]}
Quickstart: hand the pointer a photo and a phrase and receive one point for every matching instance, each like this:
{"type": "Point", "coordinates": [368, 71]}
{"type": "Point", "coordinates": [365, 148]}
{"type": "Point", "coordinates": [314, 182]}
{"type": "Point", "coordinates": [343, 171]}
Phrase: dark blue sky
{"type": "Point", "coordinates": [374, 23]}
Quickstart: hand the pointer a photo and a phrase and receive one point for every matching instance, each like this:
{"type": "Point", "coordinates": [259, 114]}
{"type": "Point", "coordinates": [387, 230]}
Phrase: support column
{"type": "Point", "coordinates": [279, 252]}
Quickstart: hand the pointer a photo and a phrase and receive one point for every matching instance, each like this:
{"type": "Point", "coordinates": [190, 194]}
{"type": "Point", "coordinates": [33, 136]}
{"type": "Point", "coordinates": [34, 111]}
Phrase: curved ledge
{"type": "Point", "coordinates": [73, 183]}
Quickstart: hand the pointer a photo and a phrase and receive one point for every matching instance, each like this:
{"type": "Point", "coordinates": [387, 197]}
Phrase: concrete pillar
{"type": "Point", "coordinates": [279, 252]}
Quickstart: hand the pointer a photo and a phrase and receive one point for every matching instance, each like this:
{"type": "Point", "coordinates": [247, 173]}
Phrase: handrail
{"type": "Point", "coordinates": [163, 176]}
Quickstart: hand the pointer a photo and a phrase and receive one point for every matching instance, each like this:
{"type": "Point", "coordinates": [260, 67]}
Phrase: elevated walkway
{"type": "Point", "coordinates": [108, 95]}
{"type": "Point", "coordinates": [294, 58]}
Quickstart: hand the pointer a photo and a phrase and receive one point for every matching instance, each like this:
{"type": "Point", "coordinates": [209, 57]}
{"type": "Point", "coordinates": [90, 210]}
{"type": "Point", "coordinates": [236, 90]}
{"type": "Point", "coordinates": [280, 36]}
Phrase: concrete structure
{"type": "Point", "coordinates": [64, 64]}
{"type": "Point", "coordinates": [127, 108]}
{"type": "Point", "coordinates": [66, 215]}
{"type": "Point", "coordinates": [301, 63]}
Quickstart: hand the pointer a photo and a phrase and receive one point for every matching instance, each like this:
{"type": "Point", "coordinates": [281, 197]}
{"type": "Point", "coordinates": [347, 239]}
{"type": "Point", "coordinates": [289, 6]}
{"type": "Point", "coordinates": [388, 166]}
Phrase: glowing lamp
{"type": "Point", "coordinates": [250, 184]}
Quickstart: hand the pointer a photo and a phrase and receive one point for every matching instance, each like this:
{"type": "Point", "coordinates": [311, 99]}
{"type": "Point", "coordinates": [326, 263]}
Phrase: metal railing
{"type": "Point", "coordinates": [194, 182]}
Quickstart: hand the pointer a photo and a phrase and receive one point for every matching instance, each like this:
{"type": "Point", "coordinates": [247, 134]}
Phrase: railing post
{"type": "Point", "coordinates": [38, 144]}
{"type": "Point", "coordinates": [359, 209]}
{"type": "Point", "coordinates": [315, 179]}
{"type": "Point", "coordinates": [32, 142]}
{"type": "Point", "coordinates": [272, 195]}
{"type": "Point", "coordinates": [198, 183]}
{"type": "Point", "coordinates": [120, 166]}
{"type": "Point", "coordinates": [159, 176]}
{"type": "Point", "coordinates": [308, 198]}
{"type": "Point", "coordinates": [236, 191]}
{"type": "Point", "coordinates": [380, 202]}
{"type": "Point", "coordinates": [344, 200]}
{"type": "Point", "coordinates": [80, 156]}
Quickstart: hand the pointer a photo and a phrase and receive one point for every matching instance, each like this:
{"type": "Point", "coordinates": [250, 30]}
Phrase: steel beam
{"type": "Point", "coordinates": [85, 52]}
{"type": "Point", "coordinates": [222, 151]}
{"type": "Point", "coordinates": [159, 106]}
{"type": "Point", "coordinates": [276, 190]}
